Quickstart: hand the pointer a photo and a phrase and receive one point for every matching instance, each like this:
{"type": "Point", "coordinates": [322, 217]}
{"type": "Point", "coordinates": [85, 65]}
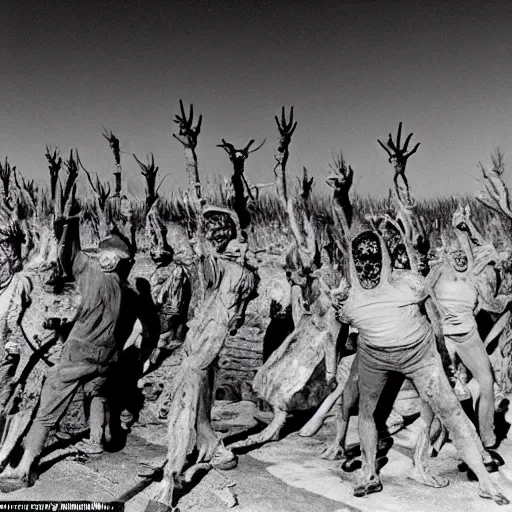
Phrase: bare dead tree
{"type": "Point", "coordinates": [6, 173]}
{"type": "Point", "coordinates": [341, 180]}
{"type": "Point", "coordinates": [71, 166]}
{"type": "Point", "coordinates": [187, 136]}
{"type": "Point", "coordinates": [114, 145]}
{"type": "Point", "coordinates": [286, 130]}
{"type": "Point", "coordinates": [398, 157]}
{"type": "Point", "coordinates": [55, 165]}
{"type": "Point", "coordinates": [150, 172]}
{"type": "Point", "coordinates": [415, 227]}
{"type": "Point", "coordinates": [495, 194]}
{"type": "Point", "coordinates": [102, 194]}
{"type": "Point", "coordinates": [240, 186]}
{"type": "Point", "coordinates": [306, 185]}
{"type": "Point", "coordinates": [29, 192]}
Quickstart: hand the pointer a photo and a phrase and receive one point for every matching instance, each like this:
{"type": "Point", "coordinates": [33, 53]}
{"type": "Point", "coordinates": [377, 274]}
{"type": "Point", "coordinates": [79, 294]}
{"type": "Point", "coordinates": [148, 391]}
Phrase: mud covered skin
{"type": "Point", "coordinates": [232, 283]}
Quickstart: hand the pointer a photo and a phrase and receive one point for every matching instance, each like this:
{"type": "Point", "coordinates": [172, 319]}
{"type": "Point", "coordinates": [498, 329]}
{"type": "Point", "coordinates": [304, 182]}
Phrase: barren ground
{"type": "Point", "coordinates": [286, 476]}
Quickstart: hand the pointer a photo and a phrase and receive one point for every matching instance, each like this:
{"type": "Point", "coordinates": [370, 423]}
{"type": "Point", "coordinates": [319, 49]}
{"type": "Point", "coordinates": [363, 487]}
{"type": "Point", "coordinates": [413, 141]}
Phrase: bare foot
{"type": "Point", "coordinates": [491, 491]}
{"type": "Point", "coordinates": [271, 433]}
{"type": "Point", "coordinates": [334, 452]}
{"type": "Point", "coordinates": [425, 477]}
{"type": "Point", "coordinates": [368, 485]}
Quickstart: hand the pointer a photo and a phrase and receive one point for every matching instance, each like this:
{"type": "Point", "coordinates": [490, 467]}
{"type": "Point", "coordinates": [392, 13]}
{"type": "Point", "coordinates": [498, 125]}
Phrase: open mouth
{"type": "Point", "coordinates": [461, 261]}
{"type": "Point", "coordinates": [367, 259]}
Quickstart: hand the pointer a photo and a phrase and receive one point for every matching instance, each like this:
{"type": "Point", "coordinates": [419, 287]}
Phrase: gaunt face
{"type": "Point", "coordinates": [220, 230]}
{"type": "Point", "coordinates": [367, 257]}
{"type": "Point", "coordinates": [459, 260]}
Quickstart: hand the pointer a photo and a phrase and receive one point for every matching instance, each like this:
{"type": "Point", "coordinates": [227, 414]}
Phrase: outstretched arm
{"type": "Point", "coordinates": [414, 230]}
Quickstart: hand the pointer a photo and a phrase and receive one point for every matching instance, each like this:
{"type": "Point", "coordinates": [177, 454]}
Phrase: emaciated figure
{"type": "Point", "coordinates": [170, 285]}
{"type": "Point", "coordinates": [396, 337]}
{"type": "Point", "coordinates": [232, 282]}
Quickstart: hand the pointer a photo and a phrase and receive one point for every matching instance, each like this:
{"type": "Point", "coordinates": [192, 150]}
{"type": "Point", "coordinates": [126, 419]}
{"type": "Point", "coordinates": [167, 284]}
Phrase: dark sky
{"type": "Point", "coordinates": [352, 70]}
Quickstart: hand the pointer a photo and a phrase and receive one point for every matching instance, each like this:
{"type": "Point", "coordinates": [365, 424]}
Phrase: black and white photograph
{"type": "Point", "coordinates": [256, 255]}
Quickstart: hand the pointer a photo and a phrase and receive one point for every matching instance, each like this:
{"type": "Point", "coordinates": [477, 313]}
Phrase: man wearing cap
{"type": "Point", "coordinates": [103, 323]}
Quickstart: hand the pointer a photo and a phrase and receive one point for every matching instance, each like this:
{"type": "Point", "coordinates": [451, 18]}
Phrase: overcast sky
{"type": "Point", "coordinates": [352, 70]}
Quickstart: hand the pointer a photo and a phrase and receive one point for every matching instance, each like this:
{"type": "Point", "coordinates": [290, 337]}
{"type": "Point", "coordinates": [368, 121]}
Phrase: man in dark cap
{"type": "Point", "coordinates": [105, 318]}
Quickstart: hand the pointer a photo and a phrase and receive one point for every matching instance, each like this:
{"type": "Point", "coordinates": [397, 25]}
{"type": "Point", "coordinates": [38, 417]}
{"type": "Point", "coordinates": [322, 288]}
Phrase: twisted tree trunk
{"type": "Point", "coordinates": [194, 185]}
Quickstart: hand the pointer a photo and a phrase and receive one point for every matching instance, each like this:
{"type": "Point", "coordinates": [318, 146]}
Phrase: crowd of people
{"type": "Point", "coordinates": [400, 314]}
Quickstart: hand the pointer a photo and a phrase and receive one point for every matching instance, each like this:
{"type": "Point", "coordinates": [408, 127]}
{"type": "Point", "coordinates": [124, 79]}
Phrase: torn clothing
{"type": "Point", "coordinates": [172, 292]}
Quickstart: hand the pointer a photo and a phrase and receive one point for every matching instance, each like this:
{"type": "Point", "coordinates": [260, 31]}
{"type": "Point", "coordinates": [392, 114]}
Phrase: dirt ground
{"type": "Point", "coordinates": [285, 476]}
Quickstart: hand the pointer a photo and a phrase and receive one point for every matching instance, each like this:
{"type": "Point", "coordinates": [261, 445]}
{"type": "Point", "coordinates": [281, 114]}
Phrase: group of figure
{"type": "Point", "coordinates": [369, 292]}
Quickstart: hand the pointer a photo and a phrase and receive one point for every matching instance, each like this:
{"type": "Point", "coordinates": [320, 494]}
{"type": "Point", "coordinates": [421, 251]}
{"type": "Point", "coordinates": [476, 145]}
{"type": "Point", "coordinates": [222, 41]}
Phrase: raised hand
{"type": "Point", "coordinates": [188, 133]}
{"type": "Point", "coordinates": [286, 129]}
{"type": "Point", "coordinates": [398, 156]}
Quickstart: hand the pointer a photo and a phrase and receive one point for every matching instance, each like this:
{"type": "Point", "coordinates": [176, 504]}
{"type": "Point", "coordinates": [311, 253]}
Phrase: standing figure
{"type": "Point", "coordinates": [15, 289]}
{"type": "Point", "coordinates": [232, 281]}
{"type": "Point", "coordinates": [104, 321]}
{"type": "Point", "coordinates": [461, 286]}
{"type": "Point", "coordinates": [396, 337]}
{"type": "Point", "coordinates": [170, 285]}
{"type": "Point", "coordinates": [302, 371]}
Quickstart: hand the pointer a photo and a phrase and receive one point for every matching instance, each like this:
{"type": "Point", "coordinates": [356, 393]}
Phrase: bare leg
{"type": "Point", "coordinates": [316, 422]}
{"type": "Point", "coordinates": [371, 384]}
{"type": "Point", "coordinates": [349, 399]}
{"type": "Point", "coordinates": [22, 476]}
{"type": "Point", "coordinates": [433, 386]}
{"type": "Point", "coordinates": [97, 420]}
{"type": "Point", "coordinates": [15, 427]}
{"type": "Point", "coordinates": [474, 356]}
{"type": "Point", "coordinates": [211, 448]}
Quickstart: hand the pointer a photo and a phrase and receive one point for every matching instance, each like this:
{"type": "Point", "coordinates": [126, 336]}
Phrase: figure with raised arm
{"type": "Point", "coordinates": [396, 337]}
{"type": "Point", "coordinates": [104, 321]}
{"type": "Point", "coordinates": [231, 279]}
{"type": "Point", "coordinates": [461, 286]}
